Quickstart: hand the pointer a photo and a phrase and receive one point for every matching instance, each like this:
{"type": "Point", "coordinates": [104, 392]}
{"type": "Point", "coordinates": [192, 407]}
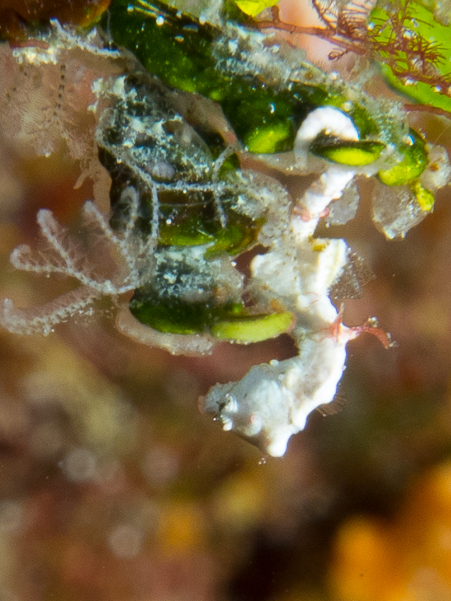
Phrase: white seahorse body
{"type": "Point", "coordinates": [273, 401]}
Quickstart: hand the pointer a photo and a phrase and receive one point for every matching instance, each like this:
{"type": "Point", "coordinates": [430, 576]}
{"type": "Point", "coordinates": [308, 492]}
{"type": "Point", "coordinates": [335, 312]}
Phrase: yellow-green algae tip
{"type": "Point", "coordinates": [424, 197]}
{"type": "Point", "coordinates": [253, 328]}
{"type": "Point", "coordinates": [265, 140]}
{"type": "Point", "coordinates": [254, 7]}
{"type": "Point", "coordinates": [414, 161]}
{"type": "Point", "coordinates": [355, 154]}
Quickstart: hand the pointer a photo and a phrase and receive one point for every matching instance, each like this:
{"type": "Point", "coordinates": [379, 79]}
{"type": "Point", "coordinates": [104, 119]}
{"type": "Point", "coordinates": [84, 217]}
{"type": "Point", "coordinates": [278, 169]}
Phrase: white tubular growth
{"type": "Point", "coordinates": [273, 401]}
{"type": "Point", "coordinates": [329, 120]}
{"type": "Point", "coordinates": [330, 185]}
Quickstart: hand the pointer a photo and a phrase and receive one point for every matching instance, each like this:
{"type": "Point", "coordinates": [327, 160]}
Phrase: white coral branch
{"type": "Point", "coordinates": [123, 245]}
{"type": "Point", "coordinates": [63, 256]}
{"type": "Point", "coordinates": [41, 320]}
